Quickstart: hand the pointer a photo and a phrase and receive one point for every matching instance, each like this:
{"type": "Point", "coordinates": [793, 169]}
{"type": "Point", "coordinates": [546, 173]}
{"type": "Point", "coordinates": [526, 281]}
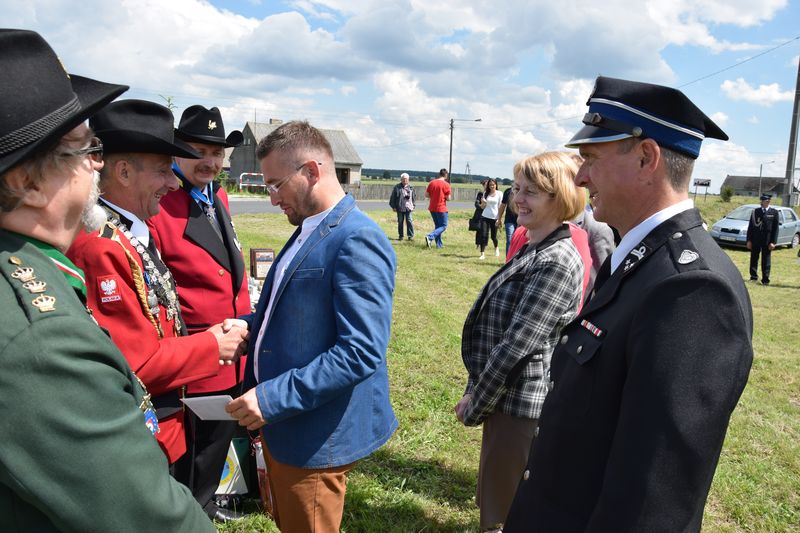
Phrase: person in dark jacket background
{"type": "Point", "coordinates": [402, 202]}
{"type": "Point", "coordinates": [762, 235]}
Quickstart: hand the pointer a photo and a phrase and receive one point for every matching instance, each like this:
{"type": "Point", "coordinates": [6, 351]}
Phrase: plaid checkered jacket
{"type": "Point", "coordinates": [513, 327]}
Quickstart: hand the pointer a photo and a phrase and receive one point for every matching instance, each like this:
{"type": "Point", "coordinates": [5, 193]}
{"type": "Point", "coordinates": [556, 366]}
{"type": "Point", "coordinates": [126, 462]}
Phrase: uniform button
{"type": "Point", "coordinates": [536, 432]}
{"type": "Point", "coordinates": [550, 385]}
{"type": "Point", "coordinates": [580, 349]}
{"type": "Point", "coordinates": [221, 272]}
{"type": "Point", "coordinates": [677, 235]}
{"type": "Point", "coordinates": [564, 339]}
{"type": "Point", "coordinates": [526, 475]}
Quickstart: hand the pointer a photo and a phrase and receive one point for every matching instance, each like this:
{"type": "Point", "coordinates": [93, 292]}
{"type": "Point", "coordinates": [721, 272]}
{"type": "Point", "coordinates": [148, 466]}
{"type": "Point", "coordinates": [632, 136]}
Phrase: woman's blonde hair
{"type": "Point", "coordinates": [554, 173]}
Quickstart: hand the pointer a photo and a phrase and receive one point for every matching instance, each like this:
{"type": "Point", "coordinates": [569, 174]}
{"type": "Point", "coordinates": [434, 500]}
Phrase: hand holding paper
{"type": "Point", "coordinates": [246, 410]}
{"type": "Point", "coordinates": [209, 407]}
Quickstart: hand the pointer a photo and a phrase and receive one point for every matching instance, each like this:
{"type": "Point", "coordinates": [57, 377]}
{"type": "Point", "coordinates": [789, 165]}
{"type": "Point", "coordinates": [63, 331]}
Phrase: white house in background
{"type": "Point", "coordinates": [346, 160]}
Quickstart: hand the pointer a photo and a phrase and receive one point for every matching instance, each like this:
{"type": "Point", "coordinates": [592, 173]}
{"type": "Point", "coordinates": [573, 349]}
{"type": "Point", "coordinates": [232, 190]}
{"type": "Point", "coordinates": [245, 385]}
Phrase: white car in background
{"type": "Point", "coordinates": [732, 230]}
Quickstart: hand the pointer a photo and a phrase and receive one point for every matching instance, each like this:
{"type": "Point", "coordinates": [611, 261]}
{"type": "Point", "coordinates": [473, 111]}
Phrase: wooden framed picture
{"type": "Point", "coordinates": [260, 261]}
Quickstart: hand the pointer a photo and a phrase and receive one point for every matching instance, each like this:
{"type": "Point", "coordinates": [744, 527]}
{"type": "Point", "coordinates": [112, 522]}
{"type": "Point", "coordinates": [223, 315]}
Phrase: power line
{"type": "Point", "coordinates": [742, 62]}
{"type": "Point", "coordinates": [323, 114]}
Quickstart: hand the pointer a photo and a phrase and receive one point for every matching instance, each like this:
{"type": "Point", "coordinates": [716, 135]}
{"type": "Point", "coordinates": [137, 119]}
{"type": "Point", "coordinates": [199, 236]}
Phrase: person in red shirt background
{"type": "Point", "coordinates": [439, 193]}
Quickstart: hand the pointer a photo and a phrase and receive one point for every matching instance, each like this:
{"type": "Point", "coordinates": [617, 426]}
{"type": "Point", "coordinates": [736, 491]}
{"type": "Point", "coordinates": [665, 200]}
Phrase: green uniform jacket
{"type": "Point", "coordinates": [75, 454]}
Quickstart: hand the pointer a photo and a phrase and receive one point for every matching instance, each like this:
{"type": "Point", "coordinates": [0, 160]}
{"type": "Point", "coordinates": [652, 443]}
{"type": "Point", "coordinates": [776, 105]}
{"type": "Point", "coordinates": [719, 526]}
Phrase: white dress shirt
{"type": "Point", "coordinates": [643, 229]}
{"type": "Point", "coordinates": [138, 227]}
{"type": "Point", "coordinates": [309, 225]}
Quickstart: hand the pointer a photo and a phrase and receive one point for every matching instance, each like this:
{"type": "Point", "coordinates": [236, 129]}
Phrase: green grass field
{"type": "Point", "coordinates": [424, 478]}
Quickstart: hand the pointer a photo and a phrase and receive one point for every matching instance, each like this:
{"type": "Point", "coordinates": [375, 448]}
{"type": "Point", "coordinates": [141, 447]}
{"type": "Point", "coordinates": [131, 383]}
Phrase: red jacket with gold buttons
{"type": "Point", "coordinates": [209, 271]}
{"type": "Point", "coordinates": [162, 360]}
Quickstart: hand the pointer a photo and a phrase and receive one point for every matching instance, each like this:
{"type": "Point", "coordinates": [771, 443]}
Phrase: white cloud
{"type": "Point", "coordinates": [393, 72]}
{"type": "Point", "coordinates": [720, 118]}
{"type": "Point", "coordinates": [763, 95]}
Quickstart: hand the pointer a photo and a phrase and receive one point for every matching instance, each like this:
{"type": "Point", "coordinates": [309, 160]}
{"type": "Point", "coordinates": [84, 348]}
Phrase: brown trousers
{"type": "Point", "coordinates": [306, 499]}
{"type": "Point", "coordinates": [504, 456]}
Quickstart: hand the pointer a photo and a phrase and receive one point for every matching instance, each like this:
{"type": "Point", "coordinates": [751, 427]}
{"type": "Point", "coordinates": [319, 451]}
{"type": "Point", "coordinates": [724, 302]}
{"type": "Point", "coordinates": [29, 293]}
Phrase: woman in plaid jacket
{"type": "Point", "coordinates": [512, 329]}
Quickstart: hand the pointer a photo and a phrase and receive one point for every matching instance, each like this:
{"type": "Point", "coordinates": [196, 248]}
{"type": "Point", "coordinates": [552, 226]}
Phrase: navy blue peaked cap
{"type": "Point", "coordinates": [621, 109]}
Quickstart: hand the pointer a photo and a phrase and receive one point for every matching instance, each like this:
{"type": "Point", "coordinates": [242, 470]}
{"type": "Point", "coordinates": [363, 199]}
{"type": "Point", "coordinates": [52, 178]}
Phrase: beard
{"type": "Point", "coordinates": [93, 216]}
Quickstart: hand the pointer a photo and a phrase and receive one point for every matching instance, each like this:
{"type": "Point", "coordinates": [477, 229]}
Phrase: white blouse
{"type": "Point", "coordinates": [492, 205]}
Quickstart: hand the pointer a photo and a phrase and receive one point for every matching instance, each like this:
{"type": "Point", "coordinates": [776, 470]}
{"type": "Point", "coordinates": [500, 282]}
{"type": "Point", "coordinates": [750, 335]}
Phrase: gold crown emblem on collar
{"type": "Point", "coordinates": [35, 286]}
{"type": "Point", "coordinates": [45, 303]}
{"type": "Point", "coordinates": [23, 274]}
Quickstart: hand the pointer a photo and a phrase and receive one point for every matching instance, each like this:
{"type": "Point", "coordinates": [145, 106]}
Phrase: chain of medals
{"type": "Point", "coordinates": [161, 286]}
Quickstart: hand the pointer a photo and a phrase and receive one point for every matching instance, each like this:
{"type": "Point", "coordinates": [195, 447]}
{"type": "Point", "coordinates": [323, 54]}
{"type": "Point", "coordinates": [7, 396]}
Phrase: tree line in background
{"type": "Point", "coordinates": [425, 175]}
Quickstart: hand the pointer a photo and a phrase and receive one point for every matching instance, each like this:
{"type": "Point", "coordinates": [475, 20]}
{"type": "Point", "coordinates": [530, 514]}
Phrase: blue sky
{"type": "Point", "coordinates": [392, 73]}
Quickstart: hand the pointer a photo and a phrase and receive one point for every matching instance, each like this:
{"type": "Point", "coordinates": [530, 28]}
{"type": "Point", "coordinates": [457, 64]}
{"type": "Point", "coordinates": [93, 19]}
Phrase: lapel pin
{"type": "Point", "coordinates": [688, 256]}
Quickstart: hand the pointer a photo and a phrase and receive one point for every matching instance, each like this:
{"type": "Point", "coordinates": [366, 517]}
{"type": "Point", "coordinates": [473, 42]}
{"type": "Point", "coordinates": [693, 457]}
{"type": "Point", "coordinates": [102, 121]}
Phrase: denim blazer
{"type": "Point", "coordinates": [324, 388]}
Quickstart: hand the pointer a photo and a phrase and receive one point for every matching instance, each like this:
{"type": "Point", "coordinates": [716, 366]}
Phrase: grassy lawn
{"type": "Point", "coordinates": [424, 478]}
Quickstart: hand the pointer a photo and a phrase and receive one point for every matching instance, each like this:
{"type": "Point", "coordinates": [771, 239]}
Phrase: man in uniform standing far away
{"type": "Point", "coordinates": [762, 236]}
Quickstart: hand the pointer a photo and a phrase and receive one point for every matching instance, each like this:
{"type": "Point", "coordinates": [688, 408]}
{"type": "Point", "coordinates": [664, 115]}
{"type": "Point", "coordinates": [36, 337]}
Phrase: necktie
{"type": "Point", "coordinates": [602, 276]}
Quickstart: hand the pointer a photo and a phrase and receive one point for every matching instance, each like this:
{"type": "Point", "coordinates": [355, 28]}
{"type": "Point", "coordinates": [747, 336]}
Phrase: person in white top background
{"type": "Point", "coordinates": [490, 203]}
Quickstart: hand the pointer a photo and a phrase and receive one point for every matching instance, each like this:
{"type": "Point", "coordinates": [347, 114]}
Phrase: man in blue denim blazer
{"type": "Point", "coordinates": [319, 336]}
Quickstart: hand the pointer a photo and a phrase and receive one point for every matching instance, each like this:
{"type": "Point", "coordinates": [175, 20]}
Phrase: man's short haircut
{"type": "Point", "coordinates": [679, 166]}
{"type": "Point", "coordinates": [443, 173]}
{"type": "Point", "coordinates": [554, 173]}
{"type": "Point", "coordinates": [52, 157]}
{"type": "Point", "coordinates": [111, 160]}
{"type": "Point", "coordinates": [294, 137]}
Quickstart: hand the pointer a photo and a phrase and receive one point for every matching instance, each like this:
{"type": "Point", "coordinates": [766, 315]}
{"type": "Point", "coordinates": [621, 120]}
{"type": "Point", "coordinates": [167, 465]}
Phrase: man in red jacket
{"type": "Point", "coordinates": [198, 243]}
{"type": "Point", "coordinates": [129, 290]}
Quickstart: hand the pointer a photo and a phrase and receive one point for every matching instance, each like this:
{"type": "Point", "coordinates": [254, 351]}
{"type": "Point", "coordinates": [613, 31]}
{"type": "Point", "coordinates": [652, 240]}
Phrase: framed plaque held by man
{"type": "Point", "coordinates": [260, 261]}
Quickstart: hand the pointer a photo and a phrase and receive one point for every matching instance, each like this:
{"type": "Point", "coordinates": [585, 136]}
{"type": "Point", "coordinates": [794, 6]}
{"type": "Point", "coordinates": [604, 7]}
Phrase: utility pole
{"type": "Point", "coordinates": [790, 158]}
{"type": "Point", "coordinates": [450, 163]}
{"type": "Point", "coordinates": [760, 170]}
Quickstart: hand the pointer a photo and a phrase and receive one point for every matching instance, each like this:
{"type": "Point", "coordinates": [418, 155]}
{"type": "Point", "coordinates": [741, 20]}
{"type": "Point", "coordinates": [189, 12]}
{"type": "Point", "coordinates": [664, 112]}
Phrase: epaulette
{"type": "Point", "coordinates": [34, 294]}
{"type": "Point", "coordinates": [684, 253]}
{"type": "Point", "coordinates": [108, 231]}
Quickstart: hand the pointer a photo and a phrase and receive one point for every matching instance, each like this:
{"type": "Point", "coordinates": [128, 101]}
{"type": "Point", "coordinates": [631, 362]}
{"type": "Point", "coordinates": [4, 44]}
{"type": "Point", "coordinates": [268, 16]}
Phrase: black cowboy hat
{"type": "Point", "coordinates": [139, 126]}
{"type": "Point", "coordinates": [39, 101]}
{"type": "Point", "coordinates": [202, 125]}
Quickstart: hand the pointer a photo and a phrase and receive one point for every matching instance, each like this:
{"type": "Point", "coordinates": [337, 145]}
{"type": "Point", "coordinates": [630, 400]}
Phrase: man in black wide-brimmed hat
{"type": "Point", "coordinates": [130, 290]}
{"type": "Point", "coordinates": [644, 380]}
{"type": "Point", "coordinates": [198, 243]}
{"type": "Point", "coordinates": [78, 449]}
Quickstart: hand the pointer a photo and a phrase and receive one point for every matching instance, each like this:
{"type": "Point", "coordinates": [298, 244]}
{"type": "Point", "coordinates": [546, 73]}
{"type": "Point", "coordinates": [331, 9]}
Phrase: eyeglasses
{"type": "Point", "coordinates": [94, 151]}
{"type": "Point", "coordinates": [275, 187]}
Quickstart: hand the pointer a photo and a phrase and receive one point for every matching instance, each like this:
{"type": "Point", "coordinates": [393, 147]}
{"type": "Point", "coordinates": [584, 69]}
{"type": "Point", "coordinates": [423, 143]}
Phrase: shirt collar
{"type": "Point", "coordinates": [643, 229]}
{"type": "Point", "coordinates": [138, 227]}
{"type": "Point", "coordinates": [311, 223]}
{"type": "Point", "coordinates": [201, 195]}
